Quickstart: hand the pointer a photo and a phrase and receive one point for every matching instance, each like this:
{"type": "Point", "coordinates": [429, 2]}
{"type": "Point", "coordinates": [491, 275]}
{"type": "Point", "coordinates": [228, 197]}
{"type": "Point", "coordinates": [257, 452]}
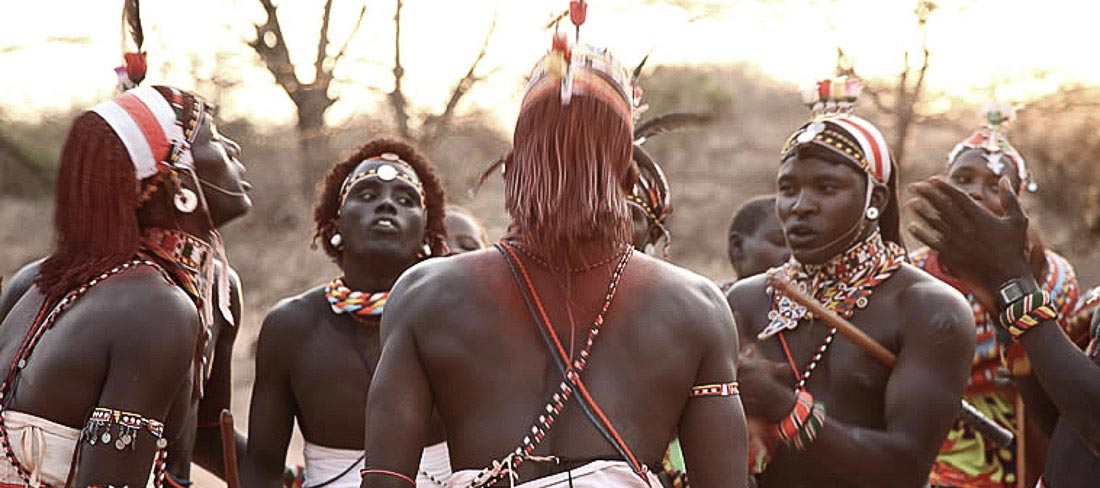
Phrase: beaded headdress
{"type": "Point", "coordinates": [573, 68]}
{"type": "Point", "coordinates": [392, 167]}
{"type": "Point", "coordinates": [834, 128]}
{"type": "Point", "coordinates": [992, 139]}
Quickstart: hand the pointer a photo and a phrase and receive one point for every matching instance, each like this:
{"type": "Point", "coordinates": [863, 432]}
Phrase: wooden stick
{"type": "Point", "coordinates": [970, 415]}
{"type": "Point", "coordinates": [229, 450]}
{"type": "Point", "coordinates": [864, 341]}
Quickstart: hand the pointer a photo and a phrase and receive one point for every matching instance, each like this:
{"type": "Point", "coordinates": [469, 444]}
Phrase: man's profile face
{"type": "Point", "coordinates": [383, 216]}
{"type": "Point", "coordinates": [818, 203]}
{"type": "Point", "coordinates": [765, 247]}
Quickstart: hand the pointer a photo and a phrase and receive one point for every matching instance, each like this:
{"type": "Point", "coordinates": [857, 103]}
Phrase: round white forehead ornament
{"type": "Point", "coordinates": [812, 131]}
{"type": "Point", "coordinates": [387, 172]}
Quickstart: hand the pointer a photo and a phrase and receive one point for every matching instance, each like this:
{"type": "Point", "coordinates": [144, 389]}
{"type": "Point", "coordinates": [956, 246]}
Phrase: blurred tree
{"type": "Point", "coordinates": [312, 100]}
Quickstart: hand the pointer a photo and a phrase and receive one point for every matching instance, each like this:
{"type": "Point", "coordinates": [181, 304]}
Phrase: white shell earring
{"type": "Point", "coordinates": [872, 213]}
{"type": "Point", "coordinates": [336, 240]}
{"type": "Point", "coordinates": [186, 201]}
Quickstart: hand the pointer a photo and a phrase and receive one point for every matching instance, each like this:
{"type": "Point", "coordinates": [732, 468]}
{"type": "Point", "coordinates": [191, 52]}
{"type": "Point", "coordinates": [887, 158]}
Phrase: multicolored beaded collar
{"type": "Point", "coordinates": [393, 167]}
{"type": "Point", "coordinates": [843, 284]}
{"type": "Point", "coordinates": [189, 256]}
{"type": "Point", "coordinates": [357, 304]}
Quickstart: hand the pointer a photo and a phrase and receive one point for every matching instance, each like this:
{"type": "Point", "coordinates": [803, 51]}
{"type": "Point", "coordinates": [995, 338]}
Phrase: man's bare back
{"type": "Point", "coordinates": [490, 373]}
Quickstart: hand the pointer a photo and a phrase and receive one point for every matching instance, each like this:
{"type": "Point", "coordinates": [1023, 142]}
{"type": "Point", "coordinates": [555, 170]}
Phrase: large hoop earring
{"type": "Point", "coordinates": [185, 200]}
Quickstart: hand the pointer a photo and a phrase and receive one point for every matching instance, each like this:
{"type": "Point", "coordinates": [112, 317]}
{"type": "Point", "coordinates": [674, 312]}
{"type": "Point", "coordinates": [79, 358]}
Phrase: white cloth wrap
{"type": "Point", "coordinates": [325, 463]}
{"type": "Point", "coordinates": [596, 474]}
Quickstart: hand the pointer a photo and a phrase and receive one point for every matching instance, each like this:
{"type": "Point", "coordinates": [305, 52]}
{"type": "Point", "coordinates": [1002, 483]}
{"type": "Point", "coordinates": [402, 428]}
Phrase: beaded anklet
{"type": "Point", "coordinates": [364, 472]}
{"type": "Point", "coordinates": [1029, 311]}
{"type": "Point", "coordinates": [801, 426]}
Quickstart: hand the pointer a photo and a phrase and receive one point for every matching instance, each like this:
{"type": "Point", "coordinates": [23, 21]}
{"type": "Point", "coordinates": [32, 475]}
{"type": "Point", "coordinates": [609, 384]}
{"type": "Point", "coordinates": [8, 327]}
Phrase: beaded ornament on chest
{"type": "Point", "coordinates": [843, 285]}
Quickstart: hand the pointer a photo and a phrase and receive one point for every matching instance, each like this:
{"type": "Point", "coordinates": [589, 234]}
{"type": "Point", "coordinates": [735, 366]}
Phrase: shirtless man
{"type": "Point", "coordinates": [626, 349]}
{"type": "Point", "coordinates": [853, 421]}
{"type": "Point", "coordinates": [135, 239]}
{"type": "Point", "coordinates": [993, 255]}
{"type": "Point", "coordinates": [380, 212]}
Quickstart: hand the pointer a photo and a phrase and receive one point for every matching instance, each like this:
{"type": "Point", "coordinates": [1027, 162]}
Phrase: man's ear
{"type": "Point", "coordinates": [880, 197]}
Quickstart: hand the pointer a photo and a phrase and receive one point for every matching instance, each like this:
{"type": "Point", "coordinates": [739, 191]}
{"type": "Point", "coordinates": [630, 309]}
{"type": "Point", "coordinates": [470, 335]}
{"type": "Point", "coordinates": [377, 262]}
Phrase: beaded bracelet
{"type": "Point", "coordinates": [800, 428]}
{"type": "Point", "coordinates": [1027, 312]}
{"type": "Point", "coordinates": [364, 472]}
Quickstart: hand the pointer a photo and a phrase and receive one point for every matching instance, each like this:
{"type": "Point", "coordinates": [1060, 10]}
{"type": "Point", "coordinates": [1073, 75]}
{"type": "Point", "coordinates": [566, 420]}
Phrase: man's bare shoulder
{"type": "Point", "coordinates": [133, 303]}
{"type": "Point", "coordinates": [696, 299]}
{"type": "Point", "coordinates": [294, 313]}
{"type": "Point", "coordinates": [923, 299]}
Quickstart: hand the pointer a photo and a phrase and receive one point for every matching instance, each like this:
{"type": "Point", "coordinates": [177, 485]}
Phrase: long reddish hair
{"type": "Point", "coordinates": [327, 208]}
{"type": "Point", "coordinates": [568, 173]}
{"type": "Point", "coordinates": [98, 198]}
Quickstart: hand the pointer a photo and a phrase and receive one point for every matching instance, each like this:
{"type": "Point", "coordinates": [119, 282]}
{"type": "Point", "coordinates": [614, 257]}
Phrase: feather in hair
{"type": "Point", "coordinates": [131, 24]}
{"type": "Point", "coordinates": [671, 123]}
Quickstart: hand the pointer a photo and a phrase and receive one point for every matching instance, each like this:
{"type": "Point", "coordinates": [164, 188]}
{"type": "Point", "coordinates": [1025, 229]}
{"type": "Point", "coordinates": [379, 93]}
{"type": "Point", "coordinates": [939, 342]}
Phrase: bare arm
{"type": "Point", "coordinates": [272, 411]}
{"type": "Point", "coordinates": [219, 391]}
{"type": "Point", "coordinates": [399, 404]}
{"type": "Point", "coordinates": [146, 371]}
{"type": "Point", "coordinates": [712, 429]}
{"type": "Point", "coordinates": [922, 402]}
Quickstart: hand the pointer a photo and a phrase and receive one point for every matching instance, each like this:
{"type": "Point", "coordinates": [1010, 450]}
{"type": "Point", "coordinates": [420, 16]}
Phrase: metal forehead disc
{"type": "Point", "coordinates": [812, 131]}
{"type": "Point", "coordinates": [387, 172]}
{"type": "Point", "coordinates": [390, 157]}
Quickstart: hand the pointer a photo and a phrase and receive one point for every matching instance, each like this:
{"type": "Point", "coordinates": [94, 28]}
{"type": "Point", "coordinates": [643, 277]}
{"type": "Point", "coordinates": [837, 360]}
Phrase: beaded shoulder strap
{"type": "Point", "coordinates": [570, 371]}
{"type": "Point", "coordinates": [47, 316]}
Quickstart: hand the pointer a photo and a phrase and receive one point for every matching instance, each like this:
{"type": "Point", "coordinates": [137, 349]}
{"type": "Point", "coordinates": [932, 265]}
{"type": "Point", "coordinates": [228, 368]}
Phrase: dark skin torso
{"type": "Point", "coordinates": [885, 440]}
{"type": "Point", "coordinates": [313, 367]}
{"type": "Point", "coordinates": [665, 332]}
{"type": "Point", "coordinates": [94, 354]}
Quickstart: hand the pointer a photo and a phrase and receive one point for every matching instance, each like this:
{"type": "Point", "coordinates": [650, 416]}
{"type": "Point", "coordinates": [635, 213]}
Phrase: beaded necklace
{"type": "Point", "coordinates": [357, 304]}
{"type": "Point", "coordinates": [577, 270]}
{"type": "Point", "coordinates": [843, 284]}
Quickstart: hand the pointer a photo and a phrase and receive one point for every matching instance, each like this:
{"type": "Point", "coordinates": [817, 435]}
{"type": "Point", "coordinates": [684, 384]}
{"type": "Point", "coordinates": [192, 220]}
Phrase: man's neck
{"type": "Point", "coordinates": [372, 273]}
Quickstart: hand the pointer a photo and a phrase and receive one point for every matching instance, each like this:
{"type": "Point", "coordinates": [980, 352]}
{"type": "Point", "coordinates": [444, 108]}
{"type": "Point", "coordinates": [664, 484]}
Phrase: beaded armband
{"type": "Point", "coordinates": [1027, 312]}
{"type": "Point", "coordinates": [800, 428]}
{"type": "Point", "coordinates": [715, 390]}
{"type": "Point", "coordinates": [107, 425]}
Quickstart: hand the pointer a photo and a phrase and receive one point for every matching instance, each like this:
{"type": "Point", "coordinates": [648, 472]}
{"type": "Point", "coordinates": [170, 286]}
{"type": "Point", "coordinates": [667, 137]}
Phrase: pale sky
{"type": "Point", "coordinates": [975, 43]}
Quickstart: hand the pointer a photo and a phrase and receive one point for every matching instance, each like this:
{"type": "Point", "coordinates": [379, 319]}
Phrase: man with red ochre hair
{"type": "Point", "coordinates": [562, 355]}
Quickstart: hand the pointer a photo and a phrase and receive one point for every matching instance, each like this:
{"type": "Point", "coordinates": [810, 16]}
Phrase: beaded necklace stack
{"type": "Point", "coordinates": [843, 284]}
{"type": "Point", "coordinates": [356, 304]}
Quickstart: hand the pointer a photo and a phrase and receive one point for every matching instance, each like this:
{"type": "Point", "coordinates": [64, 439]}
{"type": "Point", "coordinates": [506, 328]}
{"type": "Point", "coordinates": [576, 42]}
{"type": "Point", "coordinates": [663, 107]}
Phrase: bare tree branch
{"type": "Point", "coordinates": [354, 30]}
{"type": "Point", "coordinates": [397, 97]}
{"type": "Point", "coordinates": [322, 44]}
{"type": "Point", "coordinates": [272, 49]}
{"type": "Point", "coordinates": [435, 126]}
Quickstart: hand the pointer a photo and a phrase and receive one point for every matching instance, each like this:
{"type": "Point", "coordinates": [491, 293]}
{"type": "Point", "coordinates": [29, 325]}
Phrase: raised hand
{"type": "Point", "coordinates": [765, 389]}
{"type": "Point", "coordinates": [971, 240]}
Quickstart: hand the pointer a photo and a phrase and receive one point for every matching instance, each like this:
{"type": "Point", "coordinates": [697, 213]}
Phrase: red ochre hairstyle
{"type": "Point", "coordinates": [327, 209]}
{"type": "Point", "coordinates": [568, 174]}
{"type": "Point", "coordinates": [96, 221]}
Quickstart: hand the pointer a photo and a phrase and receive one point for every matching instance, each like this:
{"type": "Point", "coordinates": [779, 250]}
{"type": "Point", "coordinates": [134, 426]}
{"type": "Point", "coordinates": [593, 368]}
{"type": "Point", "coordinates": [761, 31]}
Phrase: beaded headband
{"type": "Point", "coordinates": [583, 69]}
{"type": "Point", "coordinates": [992, 139]}
{"type": "Point", "coordinates": [387, 171]}
{"type": "Point", "coordinates": [152, 129]}
{"type": "Point", "coordinates": [833, 127]}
